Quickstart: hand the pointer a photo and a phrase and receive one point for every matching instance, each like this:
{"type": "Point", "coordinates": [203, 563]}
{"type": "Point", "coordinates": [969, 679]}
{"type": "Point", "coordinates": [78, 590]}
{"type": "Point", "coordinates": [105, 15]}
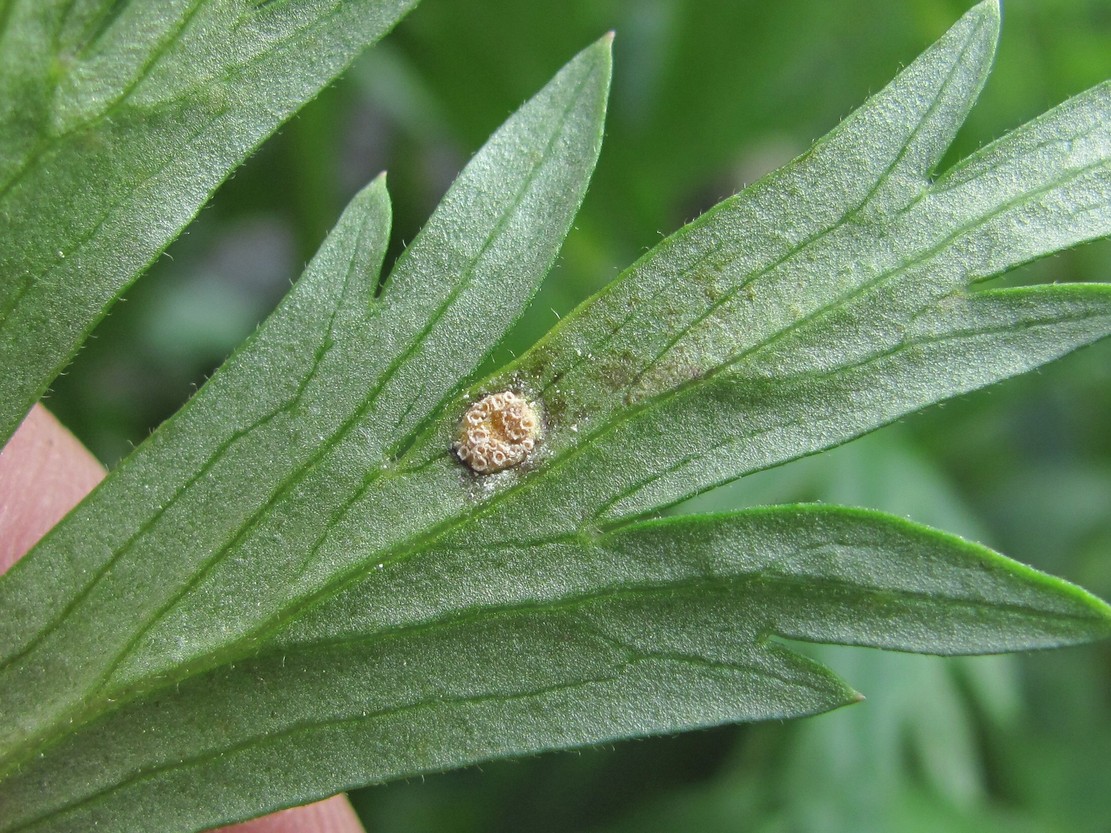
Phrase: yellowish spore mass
{"type": "Point", "coordinates": [497, 432]}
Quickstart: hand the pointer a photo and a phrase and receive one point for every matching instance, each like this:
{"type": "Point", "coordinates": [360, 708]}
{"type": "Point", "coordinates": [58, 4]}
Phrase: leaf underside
{"type": "Point", "coordinates": [293, 586]}
{"type": "Point", "coordinates": [118, 121]}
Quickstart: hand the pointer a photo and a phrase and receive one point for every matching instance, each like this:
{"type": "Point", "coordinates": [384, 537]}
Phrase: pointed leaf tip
{"type": "Point", "coordinates": [987, 11]}
{"type": "Point", "coordinates": [376, 188]}
{"type": "Point", "coordinates": [601, 50]}
{"type": "Point", "coordinates": [989, 7]}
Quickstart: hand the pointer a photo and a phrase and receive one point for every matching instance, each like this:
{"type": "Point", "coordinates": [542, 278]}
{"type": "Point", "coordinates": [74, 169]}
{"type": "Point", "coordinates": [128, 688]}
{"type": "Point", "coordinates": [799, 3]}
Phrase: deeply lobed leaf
{"type": "Point", "coordinates": [405, 614]}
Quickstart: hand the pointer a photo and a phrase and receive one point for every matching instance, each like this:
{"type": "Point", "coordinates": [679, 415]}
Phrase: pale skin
{"type": "Point", "coordinates": [44, 472]}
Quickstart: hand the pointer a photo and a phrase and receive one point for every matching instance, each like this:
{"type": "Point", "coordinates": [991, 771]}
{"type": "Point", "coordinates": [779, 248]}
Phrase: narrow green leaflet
{"type": "Point", "coordinates": [295, 587]}
{"type": "Point", "coordinates": [656, 627]}
{"type": "Point", "coordinates": [117, 121]}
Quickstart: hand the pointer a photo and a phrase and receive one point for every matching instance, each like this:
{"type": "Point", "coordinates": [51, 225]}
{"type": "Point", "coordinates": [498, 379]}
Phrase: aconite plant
{"type": "Point", "coordinates": [298, 585]}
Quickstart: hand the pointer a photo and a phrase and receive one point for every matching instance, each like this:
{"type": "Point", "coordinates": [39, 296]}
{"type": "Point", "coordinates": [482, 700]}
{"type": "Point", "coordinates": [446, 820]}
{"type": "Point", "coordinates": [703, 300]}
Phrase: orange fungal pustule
{"type": "Point", "coordinates": [497, 432]}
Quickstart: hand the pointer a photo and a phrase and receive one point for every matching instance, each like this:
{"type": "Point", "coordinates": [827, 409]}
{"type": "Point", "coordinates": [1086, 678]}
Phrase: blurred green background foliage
{"type": "Point", "coordinates": [707, 97]}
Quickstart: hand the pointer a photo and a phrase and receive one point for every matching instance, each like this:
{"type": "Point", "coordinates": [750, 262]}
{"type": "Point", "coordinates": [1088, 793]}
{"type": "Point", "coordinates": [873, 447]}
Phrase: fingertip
{"type": "Point", "coordinates": [44, 472]}
{"type": "Point", "coordinates": [333, 815]}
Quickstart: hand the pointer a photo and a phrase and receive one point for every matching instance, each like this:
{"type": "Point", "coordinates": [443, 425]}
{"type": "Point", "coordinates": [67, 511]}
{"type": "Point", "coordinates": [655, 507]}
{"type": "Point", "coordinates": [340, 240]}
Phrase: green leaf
{"type": "Point", "coordinates": [655, 627]}
{"type": "Point", "coordinates": [118, 121]}
{"type": "Point", "coordinates": [295, 587]}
